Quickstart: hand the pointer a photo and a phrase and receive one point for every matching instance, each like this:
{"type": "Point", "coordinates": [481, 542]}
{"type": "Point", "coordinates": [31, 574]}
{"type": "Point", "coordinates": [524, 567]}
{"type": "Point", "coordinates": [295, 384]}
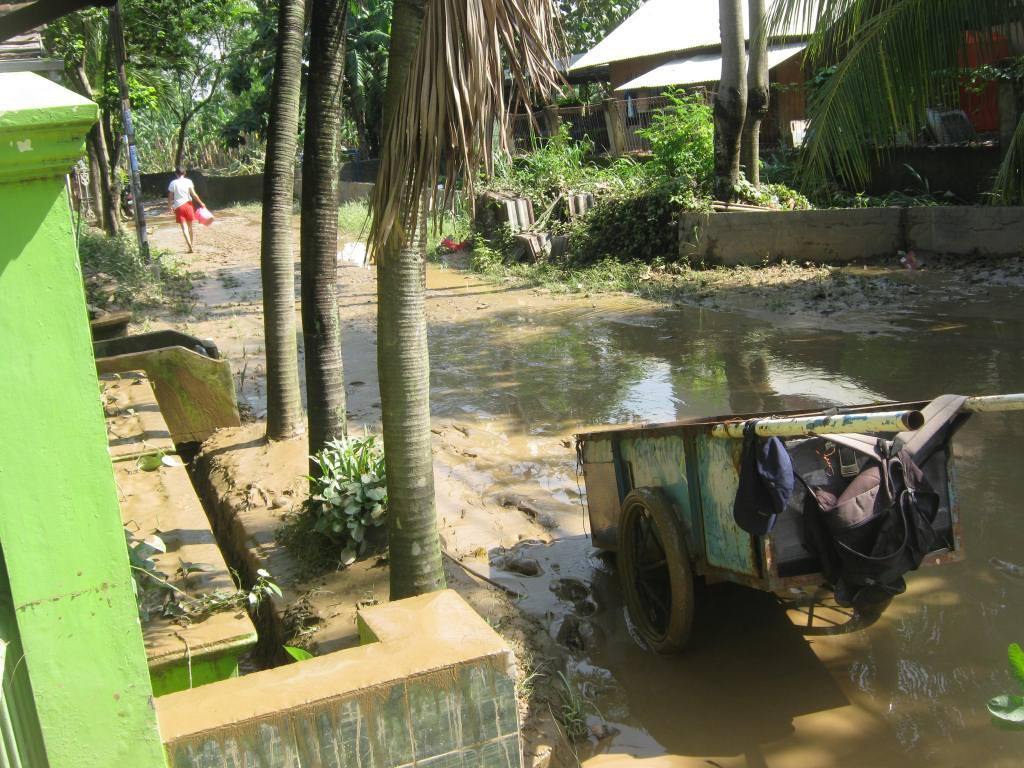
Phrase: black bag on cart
{"type": "Point", "coordinates": [877, 529]}
{"type": "Point", "coordinates": [878, 526]}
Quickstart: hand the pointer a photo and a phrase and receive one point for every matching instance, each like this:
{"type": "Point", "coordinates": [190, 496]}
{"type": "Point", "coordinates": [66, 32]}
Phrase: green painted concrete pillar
{"type": "Point", "coordinates": [60, 530]}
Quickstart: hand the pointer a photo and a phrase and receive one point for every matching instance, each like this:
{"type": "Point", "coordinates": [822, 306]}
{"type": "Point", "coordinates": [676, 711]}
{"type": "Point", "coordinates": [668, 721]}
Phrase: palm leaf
{"type": "Point", "coordinates": [444, 124]}
{"type": "Point", "coordinates": [899, 57]}
{"type": "Point", "coordinates": [1009, 186]}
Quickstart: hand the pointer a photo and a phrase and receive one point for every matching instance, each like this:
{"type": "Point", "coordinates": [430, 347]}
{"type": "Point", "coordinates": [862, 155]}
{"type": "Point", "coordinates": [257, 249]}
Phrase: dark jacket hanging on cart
{"type": "Point", "coordinates": [765, 483]}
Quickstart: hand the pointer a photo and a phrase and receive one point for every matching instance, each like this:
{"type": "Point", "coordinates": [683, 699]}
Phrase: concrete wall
{"type": "Point", "coordinates": [843, 235]}
{"type": "Point", "coordinates": [753, 237]}
{"type": "Point", "coordinates": [432, 686]}
{"type": "Point", "coordinates": [221, 191]}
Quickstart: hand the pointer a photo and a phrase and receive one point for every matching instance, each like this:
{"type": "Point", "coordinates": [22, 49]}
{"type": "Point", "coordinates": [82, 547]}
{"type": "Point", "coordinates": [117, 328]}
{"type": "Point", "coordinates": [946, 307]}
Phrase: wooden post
{"type": "Point", "coordinates": [552, 120]}
{"type": "Point", "coordinates": [616, 123]}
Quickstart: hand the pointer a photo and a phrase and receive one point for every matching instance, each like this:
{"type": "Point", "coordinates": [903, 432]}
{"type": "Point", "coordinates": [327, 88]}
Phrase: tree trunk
{"type": "Point", "coordinates": [321, 327]}
{"type": "Point", "coordinates": [179, 151]}
{"type": "Point", "coordinates": [277, 262]}
{"type": "Point", "coordinates": [107, 202]}
{"type": "Point", "coordinates": [403, 364]}
{"type": "Point", "coordinates": [758, 93]}
{"type": "Point", "coordinates": [95, 186]}
{"type": "Point", "coordinates": [730, 100]}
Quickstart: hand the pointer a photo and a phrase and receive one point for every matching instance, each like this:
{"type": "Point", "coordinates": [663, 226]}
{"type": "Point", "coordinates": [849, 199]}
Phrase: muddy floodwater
{"type": "Point", "coordinates": [515, 372]}
{"type": "Point", "coordinates": [759, 687]}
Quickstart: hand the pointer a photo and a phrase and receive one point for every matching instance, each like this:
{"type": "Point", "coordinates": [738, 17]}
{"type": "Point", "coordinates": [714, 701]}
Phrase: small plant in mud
{"type": "Point", "coordinates": [1009, 708]}
{"type": "Point", "coordinates": [349, 497]}
{"type": "Point", "coordinates": [572, 716]}
{"type": "Point", "coordinates": [155, 595]}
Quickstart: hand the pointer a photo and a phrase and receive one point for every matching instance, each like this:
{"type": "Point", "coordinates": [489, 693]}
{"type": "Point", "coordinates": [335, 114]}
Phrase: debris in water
{"type": "Point", "coordinates": [1008, 568]}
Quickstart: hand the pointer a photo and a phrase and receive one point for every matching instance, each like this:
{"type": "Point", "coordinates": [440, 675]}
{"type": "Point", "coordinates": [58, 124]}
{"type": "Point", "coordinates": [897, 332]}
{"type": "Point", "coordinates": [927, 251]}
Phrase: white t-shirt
{"type": "Point", "coordinates": [181, 188]}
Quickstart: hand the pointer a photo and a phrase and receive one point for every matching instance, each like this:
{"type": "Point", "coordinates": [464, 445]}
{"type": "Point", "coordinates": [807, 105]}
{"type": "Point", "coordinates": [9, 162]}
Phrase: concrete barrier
{"type": "Point", "coordinates": [836, 236]}
{"type": "Point", "coordinates": [966, 230]}
{"type": "Point", "coordinates": [432, 684]}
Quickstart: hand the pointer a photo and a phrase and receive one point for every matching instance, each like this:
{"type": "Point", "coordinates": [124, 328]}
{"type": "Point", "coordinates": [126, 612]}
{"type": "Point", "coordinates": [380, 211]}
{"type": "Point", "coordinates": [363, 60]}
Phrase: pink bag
{"type": "Point", "coordinates": [204, 216]}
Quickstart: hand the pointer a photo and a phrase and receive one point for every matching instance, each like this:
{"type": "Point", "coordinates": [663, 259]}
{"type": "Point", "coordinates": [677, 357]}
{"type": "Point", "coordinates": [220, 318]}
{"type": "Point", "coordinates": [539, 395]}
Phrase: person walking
{"type": "Point", "coordinates": [180, 194]}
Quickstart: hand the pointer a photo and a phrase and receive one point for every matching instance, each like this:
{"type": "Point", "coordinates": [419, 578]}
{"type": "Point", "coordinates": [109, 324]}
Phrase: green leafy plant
{"type": "Point", "coordinates": [682, 138]}
{"type": "Point", "coordinates": [1009, 708]}
{"type": "Point", "coordinates": [349, 496]}
{"type": "Point", "coordinates": [299, 654]}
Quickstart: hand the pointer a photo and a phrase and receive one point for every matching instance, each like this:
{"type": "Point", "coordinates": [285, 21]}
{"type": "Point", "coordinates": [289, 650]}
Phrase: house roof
{"type": "Point", "coordinates": [700, 68]}
{"type": "Point", "coordinates": [657, 27]}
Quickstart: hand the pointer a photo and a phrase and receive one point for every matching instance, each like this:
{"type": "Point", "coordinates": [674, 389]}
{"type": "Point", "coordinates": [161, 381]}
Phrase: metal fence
{"type": "Point", "coordinates": [589, 122]}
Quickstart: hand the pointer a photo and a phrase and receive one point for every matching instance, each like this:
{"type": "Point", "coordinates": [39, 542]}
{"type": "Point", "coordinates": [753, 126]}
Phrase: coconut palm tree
{"type": "Point", "coordinates": [277, 262]}
{"type": "Point", "coordinates": [898, 58]}
{"type": "Point", "coordinates": [730, 99]}
{"type": "Point", "coordinates": [444, 92]}
{"type": "Point", "coordinates": [321, 326]}
{"type": "Point", "coordinates": [757, 93]}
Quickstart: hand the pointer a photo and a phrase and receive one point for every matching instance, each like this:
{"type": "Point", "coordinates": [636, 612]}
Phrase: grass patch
{"type": "Point", "coordinates": [116, 274]}
{"type": "Point", "coordinates": [353, 220]}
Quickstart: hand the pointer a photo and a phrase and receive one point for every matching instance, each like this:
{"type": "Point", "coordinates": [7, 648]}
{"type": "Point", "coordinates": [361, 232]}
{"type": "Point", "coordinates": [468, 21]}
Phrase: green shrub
{"type": "Point", "coordinates": [637, 226]}
{"type": "Point", "coordinates": [556, 165]}
{"type": "Point", "coordinates": [116, 274]}
{"type": "Point", "coordinates": [682, 137]}
{"type": "Point", "coordinates": [350, 496]}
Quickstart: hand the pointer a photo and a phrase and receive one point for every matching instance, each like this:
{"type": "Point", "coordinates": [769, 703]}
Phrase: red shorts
{"type": "Point", "coordinates": [185, 213]}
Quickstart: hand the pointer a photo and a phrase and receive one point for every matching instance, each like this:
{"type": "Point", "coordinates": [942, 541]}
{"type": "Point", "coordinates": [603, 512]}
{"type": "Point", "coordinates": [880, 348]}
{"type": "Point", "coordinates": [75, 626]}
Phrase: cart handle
{"type": "Point", "coordinates": [994, 403]}
{"type": "Point", "coordinates": [845, 423]}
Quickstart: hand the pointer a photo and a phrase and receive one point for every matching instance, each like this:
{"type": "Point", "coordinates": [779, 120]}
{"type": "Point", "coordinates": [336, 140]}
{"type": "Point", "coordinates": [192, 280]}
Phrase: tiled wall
{"type": "Point", "coordinates": [459, 717]}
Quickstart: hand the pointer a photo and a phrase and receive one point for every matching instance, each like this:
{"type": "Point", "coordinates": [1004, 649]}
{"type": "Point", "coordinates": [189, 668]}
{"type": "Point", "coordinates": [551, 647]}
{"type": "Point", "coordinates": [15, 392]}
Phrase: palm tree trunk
{"type": "Point", "coordinates": [757, 93]}
{"type": "Point", "coordinates": [403, 363]}
{"type": "Point", "coordinates": [277, 261]}
{"type": "Point", "coordinates": [730, 100]}
{"type": "Point", "coordinates": [321, 327]}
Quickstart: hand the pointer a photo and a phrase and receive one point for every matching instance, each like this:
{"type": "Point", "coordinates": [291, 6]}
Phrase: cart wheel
{"type": "Point", "coordinates": [654, 571]}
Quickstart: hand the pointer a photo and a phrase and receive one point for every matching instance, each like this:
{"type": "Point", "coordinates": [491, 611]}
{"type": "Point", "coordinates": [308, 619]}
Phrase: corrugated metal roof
{"type": "Point", "coordinates": [700, 68]}
{"type": "Point", "coordinates": [660, 26]}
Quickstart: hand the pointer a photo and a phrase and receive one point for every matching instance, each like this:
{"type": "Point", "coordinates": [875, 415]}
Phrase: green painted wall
{"type": "Point", "coordinates": [60, 528]}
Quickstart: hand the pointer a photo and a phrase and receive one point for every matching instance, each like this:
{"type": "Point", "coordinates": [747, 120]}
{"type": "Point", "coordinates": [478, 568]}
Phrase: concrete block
{"type": "Point", "coordinates": [754, 237]}
{"type": "Point", "coordinates": [966, 230]}
{"type": "Point", "coordinates": [433, 686]}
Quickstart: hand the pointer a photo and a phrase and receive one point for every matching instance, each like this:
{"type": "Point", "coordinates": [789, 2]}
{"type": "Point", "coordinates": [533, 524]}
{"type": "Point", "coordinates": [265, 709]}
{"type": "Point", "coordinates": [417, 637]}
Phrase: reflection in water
{"type": "Point", "coordinates": [755, 689]}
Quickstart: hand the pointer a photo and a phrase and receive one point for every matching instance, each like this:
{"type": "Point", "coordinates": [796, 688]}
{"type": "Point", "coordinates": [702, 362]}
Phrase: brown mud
{"type": "Point", "coordinates": [515, 371]}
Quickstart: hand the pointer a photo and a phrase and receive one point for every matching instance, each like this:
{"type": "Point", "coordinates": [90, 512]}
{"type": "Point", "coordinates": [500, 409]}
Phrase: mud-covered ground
{"type": "Point", "coordinates": [517, 370]}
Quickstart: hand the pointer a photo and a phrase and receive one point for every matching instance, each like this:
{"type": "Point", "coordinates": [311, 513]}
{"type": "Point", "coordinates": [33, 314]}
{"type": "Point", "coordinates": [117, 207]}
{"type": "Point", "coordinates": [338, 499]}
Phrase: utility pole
{"type": "Point", "coordinates": [117, 30]}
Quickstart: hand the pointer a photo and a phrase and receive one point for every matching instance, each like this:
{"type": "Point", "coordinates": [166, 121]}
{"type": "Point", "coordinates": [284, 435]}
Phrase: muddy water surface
{"type": "Point", "coordinates": [516, 372]}
{"type": "Point", "coordinates": [759, 687]}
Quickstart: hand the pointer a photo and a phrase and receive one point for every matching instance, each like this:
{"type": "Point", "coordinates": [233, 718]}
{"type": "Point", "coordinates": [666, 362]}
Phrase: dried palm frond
{"type": "Point", "coordinates": [453, 97]}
